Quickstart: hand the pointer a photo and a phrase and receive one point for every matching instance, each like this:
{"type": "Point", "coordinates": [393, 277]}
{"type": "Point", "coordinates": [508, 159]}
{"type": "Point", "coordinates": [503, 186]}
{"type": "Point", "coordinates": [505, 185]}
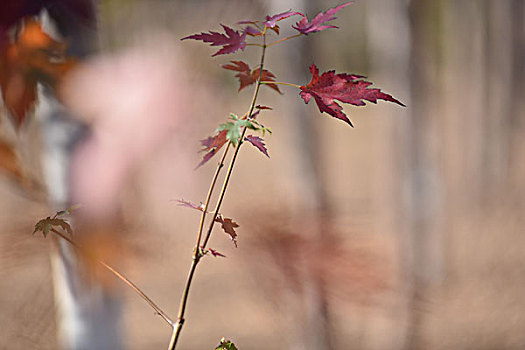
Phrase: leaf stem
{"type": "Point", "coordinates": [281, 83]}
{"type": "Point", "coordinates": [197, 255]}
{"type": "Point", "coordinates": [120, 276]}
{"type": "Point", "coordinates": [284, 39]}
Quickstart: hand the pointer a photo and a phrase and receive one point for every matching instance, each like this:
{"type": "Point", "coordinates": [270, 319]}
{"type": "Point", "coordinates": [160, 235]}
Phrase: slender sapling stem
{"type": "Point", "coordinates": [177, 329]}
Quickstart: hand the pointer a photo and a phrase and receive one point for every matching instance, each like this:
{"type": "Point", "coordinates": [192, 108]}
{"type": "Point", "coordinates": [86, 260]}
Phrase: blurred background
{"type": "Point", "coordinates": [405, 232]}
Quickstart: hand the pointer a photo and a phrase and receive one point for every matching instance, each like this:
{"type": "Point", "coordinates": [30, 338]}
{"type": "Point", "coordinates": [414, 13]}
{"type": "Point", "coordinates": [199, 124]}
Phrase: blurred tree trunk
{"type": "Point", "coordinates": [461, 128]}
{"type": "Point", "coordinates": [515, 185]}
{"type": "Point", "coordinates": [312, 316]}
{"type": "Point", "coordinates": [405, 53]}
{"type": "Point", "coordinates": [389, 42]}
{"type": "Point", "coordinates": [424, 215]}
{"type": "Point", "coordinates": [88, 318]}
{"type": "Point", "coordinates": [503, 96]}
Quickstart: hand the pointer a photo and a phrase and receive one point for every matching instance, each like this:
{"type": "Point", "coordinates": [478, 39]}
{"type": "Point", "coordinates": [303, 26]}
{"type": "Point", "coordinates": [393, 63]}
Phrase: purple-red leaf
{"type": "Point", "coordinates": [216, 253]}
{"type": "Point", "coordinates": [252, 31]}
{"type": "Point", "coordinates": [271, 21]}
{"type": "Point", "coordinates": [343, 87]}
{"type": "Point", "coordinates": [318, 23]}
{"type": "Point", "coordinates": [228, 225]}
{"type": "Point", "coordinates": [231, 42]}
{"type": "Point", "coordinates": [257, 142]}
{"type": "Point", "coordinates": [212, 145]}
{"type": "Point", "coordinates": [247, 76]}
{"type": "Point", "coordinates": [259, 109]}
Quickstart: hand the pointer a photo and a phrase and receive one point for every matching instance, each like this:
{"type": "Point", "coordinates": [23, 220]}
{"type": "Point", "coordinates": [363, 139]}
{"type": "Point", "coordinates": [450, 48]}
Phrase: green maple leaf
{"type": "Point", "coordinates": [226, 345]}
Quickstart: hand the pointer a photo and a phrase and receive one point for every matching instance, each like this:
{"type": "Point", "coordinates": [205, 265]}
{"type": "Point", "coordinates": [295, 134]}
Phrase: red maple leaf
{"type": "Point", "coordinates": [216, 253]}
{"type": "Point", "coordinates": [212, 145]}
{"type": "Point", "coordinates": [346, 88]}
{"type": "Point", "coordinates": [252, 31]}
{"type": "Point", "coordinates": [271, 21]}
{"type": "Point", "coordinates": [257, 142]}
{"type": "Point", "coordinates": [231, 42]}
{"type": "Point", "coordinates": [317, 24]}
{"type": "Point", "coordinates": [228, 225]}
{"type": "Point", "coordinates": [247, 76]}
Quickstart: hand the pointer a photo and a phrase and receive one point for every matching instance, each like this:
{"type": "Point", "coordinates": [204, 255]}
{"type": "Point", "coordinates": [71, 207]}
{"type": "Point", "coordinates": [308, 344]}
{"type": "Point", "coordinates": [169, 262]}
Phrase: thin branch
{"type": "Point", "coordinates": [284, 39]}
{"type": "Point", "coordinates": [183, 302]}
{"type": "Point", "coordinates": [281, 83]}
{"type": "Point", "coordinates": [120, 276]}
{"type": "Point", "coordinates": [208, 197]}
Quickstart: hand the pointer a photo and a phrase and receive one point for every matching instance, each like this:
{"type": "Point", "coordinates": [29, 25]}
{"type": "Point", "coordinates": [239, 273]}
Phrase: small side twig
{"type": "Point", "coordinates": [284, 39]}
{"type": "Point", "coordinates": [281, 83]}
{"type": "Point", "coordinates": [120, 276]}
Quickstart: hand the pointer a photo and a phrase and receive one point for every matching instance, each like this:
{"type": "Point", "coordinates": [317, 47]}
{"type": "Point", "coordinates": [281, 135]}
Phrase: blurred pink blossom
{"type": "Point", "coordinates": [133, 101]}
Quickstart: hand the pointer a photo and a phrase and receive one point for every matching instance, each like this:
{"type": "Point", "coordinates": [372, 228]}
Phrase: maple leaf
{"type": "Point", "coordinates": [212, 145]}
{"type": "Point", "coordinates": [45, 225]}
{"type": "Point", "coordinates": [33, 57]}
{"type": "Point", "coordinates": [271, 21]}
{"type": "Point", "coordinates": [317, 24]}
{"type": "Point", "coordinates": [248, 76]}
{"type": "Point", "coordinates": [257, 142]}
{"type": "Point", "coordinates": [233, 131]}
{"type": "Point", "coordinates": [226, 345]}
{"type": "Point", "coordinates": [346, 88]}
{"type": "Point", "coordinates": [231, 42]}
{"type": "Point", "coordinates": [234, 128]}
{"type": "Point", "coordinates": [228, 225]}
{"type": "Point", "coordinates": [229, 131]}
{"type": "Point", "coordinates": [216, 253]}
{"type": "Point", "coordinates": [252, 31]}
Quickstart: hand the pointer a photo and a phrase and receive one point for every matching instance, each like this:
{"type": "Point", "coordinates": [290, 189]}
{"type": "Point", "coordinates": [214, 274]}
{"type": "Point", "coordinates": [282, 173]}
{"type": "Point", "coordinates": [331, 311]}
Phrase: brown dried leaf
{"type": "Point", "coordinates": [33, 57]}
{"type": "Point", "coordinates": [229, 226]}
{"type": "Point", "coordinates": [9, 162]}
